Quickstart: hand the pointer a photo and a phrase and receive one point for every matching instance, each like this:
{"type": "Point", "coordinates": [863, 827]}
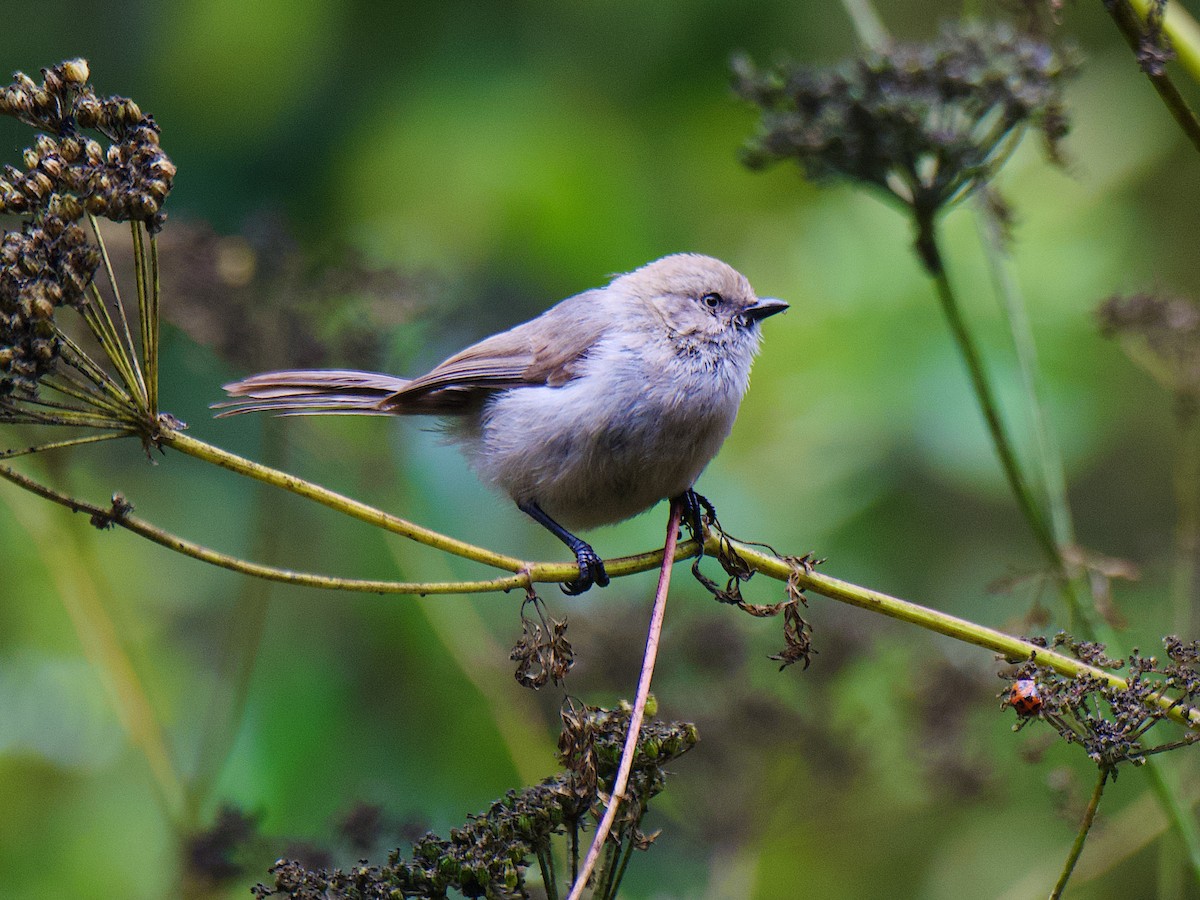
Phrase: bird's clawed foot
{"type": "Point", "coordinates": [591, 566]}
{"type": "Point", "coordinates": [695, 507]}
{"type": "Point", "coordinates": [591, 571]}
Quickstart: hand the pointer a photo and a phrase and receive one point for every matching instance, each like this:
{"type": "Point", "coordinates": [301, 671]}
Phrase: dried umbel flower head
{"type": "Point", "coordinates": [44, 266]}
{"type": "Point", "coordinates": [1111, 723]}
{"type": "Point", "coordinates": [489, 856]}
{"type": "Point", "coordinates": [126, 177]}
{"type": "Point", "coordinates": [925, 122]}
{"type": "Point", "coordinates": [94, 157]}
{"type": "Point", "coordinates": [1159, 332]}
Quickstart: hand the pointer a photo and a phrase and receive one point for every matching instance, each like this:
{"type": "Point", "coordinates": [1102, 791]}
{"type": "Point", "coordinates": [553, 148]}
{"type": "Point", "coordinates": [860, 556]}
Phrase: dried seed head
{"type": "Point", "coordinates": [1111, 723]}
{"type": "Point", "coordinates": [925, 122]}
{"type": "Point", "coordinates": [75, 71]}
{"type": "Point", "coordinates": [1161, 333]}
{"type": "Point", "coordinates": [129, 177]}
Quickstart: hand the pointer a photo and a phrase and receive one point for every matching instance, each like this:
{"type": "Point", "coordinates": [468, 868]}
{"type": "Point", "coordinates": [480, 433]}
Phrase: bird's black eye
{"type": "Point", "coordinates": [712, 301]}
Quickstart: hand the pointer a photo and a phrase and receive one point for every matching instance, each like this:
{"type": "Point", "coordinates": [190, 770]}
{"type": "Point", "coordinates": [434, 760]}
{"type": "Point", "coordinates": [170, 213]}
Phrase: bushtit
{"type": "Point", "coordinates": [603, 405]}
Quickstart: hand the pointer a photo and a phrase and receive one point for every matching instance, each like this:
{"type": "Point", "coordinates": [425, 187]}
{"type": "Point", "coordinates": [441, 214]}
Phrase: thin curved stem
{"type": "Point", "coordinates": [95, 313]}
{"type": "Point", "coordinates": [1089, 816]}
{"type": "Point", "coordinates": [75, 356]}
{"type": "Point", "coordinates": [527, 573]}
{"type": "Point", "coordinates": [57, 445]}
{"type": "Point", "coordinates": [1049, 458]}
{"type": "Point", "coordinates": [927, 245]}
{"type": "Point", "coordinates": [1011, 648]}
{"type": "Point", "coordinates": [152, 318]}
{"type": "Point", "coordinates": [653, 637]}
{"type": "Point", "coordinates": [716, 543]}
{"type": "Point", "coordinates": [69, 386]}
{"type": "Point", "coordinates": [147, 314]}
{"type": "Point", "coordinates": [1179, 814]}
{"type": "Point", "coordinates": [169, 437]}
{"type": "Point", "coordinates": [1187, 518]}
{"type": "Point", "coordinates": [116, 290]}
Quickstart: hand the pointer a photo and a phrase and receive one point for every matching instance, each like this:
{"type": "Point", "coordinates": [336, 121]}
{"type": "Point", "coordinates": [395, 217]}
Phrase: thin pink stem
{"type": "Point", "coordinates": [639, 705]}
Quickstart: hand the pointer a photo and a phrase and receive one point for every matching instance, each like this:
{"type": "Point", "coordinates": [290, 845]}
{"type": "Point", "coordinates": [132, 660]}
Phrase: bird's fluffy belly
{"type": "Point", "coordinates": [594, 452]}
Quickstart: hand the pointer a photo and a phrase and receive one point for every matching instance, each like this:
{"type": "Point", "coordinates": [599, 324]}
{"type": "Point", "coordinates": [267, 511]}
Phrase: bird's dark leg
{"type": "Point", "coordinates": [591, 566]}
{"type": "Point", "coordinates": [694, 505]}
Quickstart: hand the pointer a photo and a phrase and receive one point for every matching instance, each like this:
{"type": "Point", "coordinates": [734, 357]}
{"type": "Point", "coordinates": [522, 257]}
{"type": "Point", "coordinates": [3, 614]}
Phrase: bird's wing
{"type": "Point", "coordinates": [544, 351]}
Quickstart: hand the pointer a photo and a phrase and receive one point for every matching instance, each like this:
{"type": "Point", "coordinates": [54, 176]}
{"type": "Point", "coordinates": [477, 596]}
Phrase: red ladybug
{"type": "Point", "coordinates": [1025, 697]}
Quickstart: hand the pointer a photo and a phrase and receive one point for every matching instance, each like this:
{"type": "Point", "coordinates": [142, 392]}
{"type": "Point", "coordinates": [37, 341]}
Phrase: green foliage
{"type": "Point", "coordinates": [498, 160]}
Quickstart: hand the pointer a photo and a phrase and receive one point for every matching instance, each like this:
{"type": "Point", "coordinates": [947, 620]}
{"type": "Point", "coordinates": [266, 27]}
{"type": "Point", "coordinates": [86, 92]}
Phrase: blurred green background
{"type": "Point", "coordinates": [498, 157]}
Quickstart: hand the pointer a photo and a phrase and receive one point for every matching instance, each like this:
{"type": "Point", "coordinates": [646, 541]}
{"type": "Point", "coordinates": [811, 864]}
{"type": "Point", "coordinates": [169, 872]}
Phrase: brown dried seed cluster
{"type": "Point", "coordinates": [1160, 332]}
{"type": "Point", "coordinates": [117, 172]}
{"type": "Point", "coordinates": [1112, 724]}
{"type": "Point", "coordinates": [72, 173]}
{"type": "Point", "coordinates": [490, 855]}
{"type": "Point", "coordinates": [925, 122]}
{"type": "Point", "coordinates": [43, 266]}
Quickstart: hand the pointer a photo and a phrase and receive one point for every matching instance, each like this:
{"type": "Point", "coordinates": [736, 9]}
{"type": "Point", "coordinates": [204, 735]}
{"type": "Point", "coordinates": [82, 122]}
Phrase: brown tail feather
{"type": "Point", "coordinates": [300, 392]}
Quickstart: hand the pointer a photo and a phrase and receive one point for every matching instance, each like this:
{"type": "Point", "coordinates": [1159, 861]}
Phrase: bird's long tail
{"type": "Point", "coordinates": [305, 392]}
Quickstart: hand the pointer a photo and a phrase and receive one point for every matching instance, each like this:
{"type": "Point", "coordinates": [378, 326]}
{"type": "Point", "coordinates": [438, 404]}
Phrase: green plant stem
{"type": "Point", "coordinates": [1075, 583]}
{"type": "Point", "coordinates": [1048, 456]}
{"type": "Point", "coordinates": [95, 315]}
{"type": "Point", "coordinates": [1132, 28]}
{"type": "Point", "coordinates": [1011, 648]}
{"type": "Point", "coordinates": [177, 440]}
{"type": "Point", "coordinates": [147, 313]}
{"type": "Point", "coordinates": [68, 386]}
{"type": "Point", "coordinates": [152, 327]}
{"type": "Point", "coordinates": [64, 415]}
{"type": "Point", "coordinates": [86, 366]}
{"type": "Point", "coordinates": [867, 24]}
{"type": "Point", "coordinates": [927, 246]}
{"type": "Point", "coordinates": [1179, 814]}
{"type": "Point", "coordinates": [1187, 520]}
{"type": "Point", "coordinates": [715, 543]}
{"type": "Point", "coordinates": [626, 855]}
{"type": "Point", "coordinates": [1185, 37]}
{"type": "Point", "coordinates": [528, 572]}
{"type": "Point", "coordinates": [1085, 826]}
{"type": "Point", "coordinates": [58, 445]}
{"type": "Point", "coordinates": [545, 859]}
{"type": "Point", "coordinates": [116, 290]}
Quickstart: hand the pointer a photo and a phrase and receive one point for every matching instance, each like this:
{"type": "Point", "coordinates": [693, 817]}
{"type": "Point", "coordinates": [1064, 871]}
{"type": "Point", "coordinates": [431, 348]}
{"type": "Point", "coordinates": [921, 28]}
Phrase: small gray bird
{"type": "Point", "coordinates": [603, 405]}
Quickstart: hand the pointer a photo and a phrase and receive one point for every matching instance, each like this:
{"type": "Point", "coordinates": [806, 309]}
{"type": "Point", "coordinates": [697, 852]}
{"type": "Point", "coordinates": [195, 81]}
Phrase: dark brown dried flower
{"type": "Point", "coordinates": [797, 637]}
{"type": "Point", "coordinates": [1161, 333]}
{"type": "Point", "coordinates": [49, 262]}
{"type": "Point", "coordinates": [45, 265]}
{"type": "Point", "coordinates": [128, 179]}
{"type": "Point", "coordinates": [927, 123]}
{"type": "Point", "coordinates": [488, 857]}
{"type": "Point", "coordinates": [1111, 723]}
{"type": "Point", "coordinates": [543, 653]}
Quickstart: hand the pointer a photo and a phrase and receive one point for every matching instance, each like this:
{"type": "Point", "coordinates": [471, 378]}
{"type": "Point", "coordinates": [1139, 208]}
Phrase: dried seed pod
{"type": "Point", "coordinates": [75, 71]}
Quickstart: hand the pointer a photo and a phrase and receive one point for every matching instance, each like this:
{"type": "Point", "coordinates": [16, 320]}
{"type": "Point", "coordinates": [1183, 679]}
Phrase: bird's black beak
{"type": "Point", "coordinates": [763, 308]}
